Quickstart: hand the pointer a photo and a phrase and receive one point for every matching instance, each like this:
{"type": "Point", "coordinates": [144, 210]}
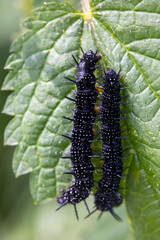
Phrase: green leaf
{"type": "Point", "coordinates": [132, 42]}
{"type": "Point", "coordinates": [126, 33]}
{"type": "Point", "coordinates": [143, 198]}
{"type": "Point", "coordinates": [39, 64]}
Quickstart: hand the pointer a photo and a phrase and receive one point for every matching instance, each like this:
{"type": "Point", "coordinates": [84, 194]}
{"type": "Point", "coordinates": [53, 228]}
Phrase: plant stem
{"type": "Point", "coordinates": [86, 10]}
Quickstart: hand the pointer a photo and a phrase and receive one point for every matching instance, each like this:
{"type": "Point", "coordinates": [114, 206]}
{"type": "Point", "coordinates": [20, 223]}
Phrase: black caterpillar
{"type": "Point", "coordinates": [82, 133]}
{"type": "Point", "coordinates": [107, 196]}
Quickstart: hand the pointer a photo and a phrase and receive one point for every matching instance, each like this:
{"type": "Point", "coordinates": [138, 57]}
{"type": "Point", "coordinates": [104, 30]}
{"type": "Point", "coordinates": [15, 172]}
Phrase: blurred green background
{"type": "Point", "coordinates": [20, 219]}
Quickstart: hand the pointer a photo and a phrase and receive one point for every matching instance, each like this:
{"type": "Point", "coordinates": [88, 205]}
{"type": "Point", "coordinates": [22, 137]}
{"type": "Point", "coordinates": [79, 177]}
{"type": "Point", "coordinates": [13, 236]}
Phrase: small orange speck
{"type": "Point", "coordinates": [92, 147]}
{"type": "Point", "coordinates": [97, 109]}
{"type": "Point", "coordinates": [99, 89]}
{"type": "Point", "coordinates": [94, 131]}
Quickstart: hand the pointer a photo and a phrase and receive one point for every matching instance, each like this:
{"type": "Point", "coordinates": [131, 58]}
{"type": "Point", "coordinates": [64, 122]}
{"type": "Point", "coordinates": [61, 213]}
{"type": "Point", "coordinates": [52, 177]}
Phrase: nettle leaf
{"type": "Point", "coordinates": [127, 34]}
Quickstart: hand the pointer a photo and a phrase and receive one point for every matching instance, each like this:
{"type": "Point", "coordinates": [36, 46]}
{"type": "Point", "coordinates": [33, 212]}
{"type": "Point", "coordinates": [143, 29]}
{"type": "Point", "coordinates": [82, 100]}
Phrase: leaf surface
{"type": "Point", "coordinates": [126, 33]}
{"type": "Point", "coordinates": [132, 42]}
